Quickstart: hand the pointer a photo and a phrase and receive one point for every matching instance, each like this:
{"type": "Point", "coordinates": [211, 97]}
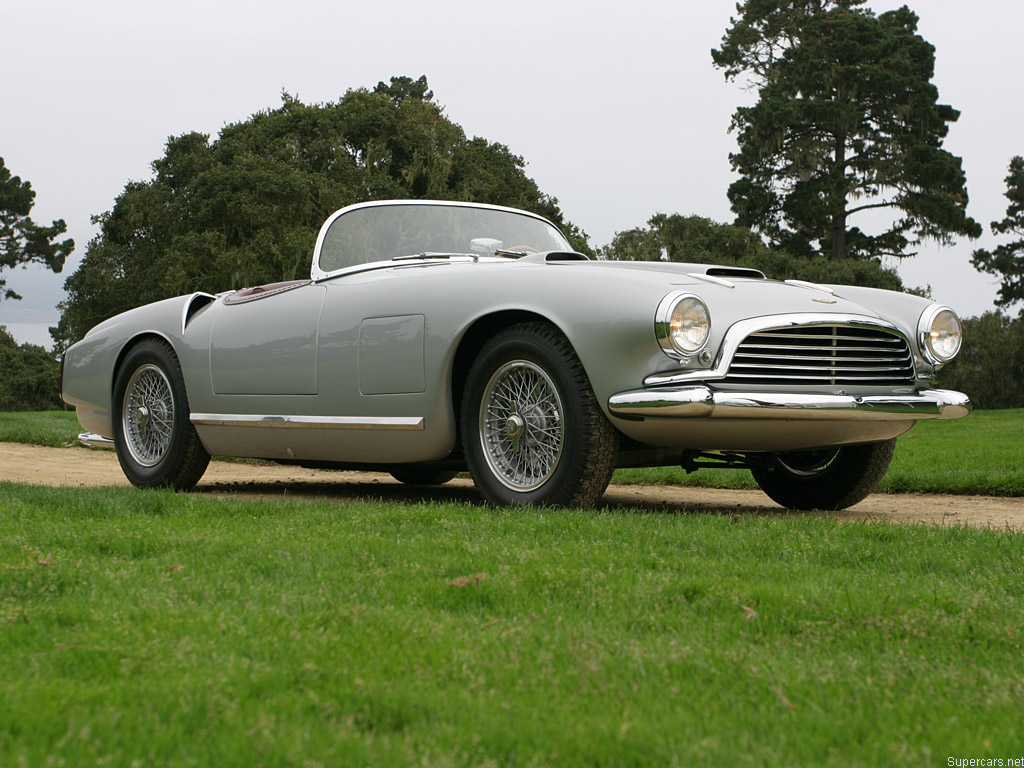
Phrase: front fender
{"type": "Point", "coordinates": [91, 364]}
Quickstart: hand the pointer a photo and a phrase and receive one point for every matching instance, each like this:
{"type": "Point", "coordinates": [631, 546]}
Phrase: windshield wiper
{"type": "Point", "coordinates": [514, 254]}
{"type": "Point", "coordinates": [436, 255]}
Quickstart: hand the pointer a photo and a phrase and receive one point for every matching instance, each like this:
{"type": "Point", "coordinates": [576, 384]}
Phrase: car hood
{"type": "Point", "coordinates": [734, 294]}
{"type": "Point", "coordinates": [750, 293]}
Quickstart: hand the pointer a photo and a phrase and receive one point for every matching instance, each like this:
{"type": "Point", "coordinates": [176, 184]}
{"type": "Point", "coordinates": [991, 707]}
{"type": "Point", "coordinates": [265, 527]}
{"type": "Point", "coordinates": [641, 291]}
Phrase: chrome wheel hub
{"type": "Point", "coordinates": [147, 415]}
{"type": "Point", "coordinates": [521, 428]}
{"type": "Point", "coordinates": [514, 428]}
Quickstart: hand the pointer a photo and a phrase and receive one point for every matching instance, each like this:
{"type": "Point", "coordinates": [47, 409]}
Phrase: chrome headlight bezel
{"type": "Point", "coordinates": [671, 342]}
{"type": "Point", "coordinates": [926, 334]}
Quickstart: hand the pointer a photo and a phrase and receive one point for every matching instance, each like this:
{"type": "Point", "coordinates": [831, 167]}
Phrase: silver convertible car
{"type": "Point", "coordinates": [436, 337]}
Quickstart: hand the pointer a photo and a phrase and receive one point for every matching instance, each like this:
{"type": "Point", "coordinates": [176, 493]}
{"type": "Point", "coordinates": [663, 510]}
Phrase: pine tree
{"type": "Point", "coordinates": [1007, 260]}
{"type": "Point", "coordinates": [22, 241]}
{"type": "Point", "coordinates": [847, 123]}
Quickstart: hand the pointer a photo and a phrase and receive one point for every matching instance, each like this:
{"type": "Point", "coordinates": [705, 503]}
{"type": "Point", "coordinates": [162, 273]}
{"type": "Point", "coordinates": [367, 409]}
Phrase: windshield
{"type": "Point", "coordinates": [385, 232]}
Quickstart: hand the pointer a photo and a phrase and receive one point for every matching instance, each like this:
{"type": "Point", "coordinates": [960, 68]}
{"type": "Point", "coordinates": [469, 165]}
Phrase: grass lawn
{"type": "Point", "coordinates": [983, 453]}
{"type": "Point", "coordinates": [152, 628]}
{"type": "Point", "coordinates": [53, 428]}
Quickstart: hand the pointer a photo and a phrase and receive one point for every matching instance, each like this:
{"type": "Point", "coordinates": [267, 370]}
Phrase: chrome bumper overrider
{"type": "Point", "coordinates": [704, 403]}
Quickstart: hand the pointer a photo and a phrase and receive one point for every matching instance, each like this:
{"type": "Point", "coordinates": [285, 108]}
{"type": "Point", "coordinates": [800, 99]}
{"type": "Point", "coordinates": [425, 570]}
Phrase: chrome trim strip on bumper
{"type": "Point", "coordinates": [308, 422]}
{"type": "Point", "coordinates": [737, 332]}
{"type": "Point", "coordinates": [703, 403]}
{"type": "Point", "coordinates": [92, 440]}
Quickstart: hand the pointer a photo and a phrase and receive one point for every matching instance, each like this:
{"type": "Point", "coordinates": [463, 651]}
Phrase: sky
{"type": "Point", "coordinates": [615, 106]}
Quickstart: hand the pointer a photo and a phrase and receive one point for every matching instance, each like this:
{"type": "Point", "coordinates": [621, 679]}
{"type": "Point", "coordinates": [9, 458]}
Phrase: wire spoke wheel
{"type": "Point", "coordinates": [148, 415]}
{"type": "Point", "coordinates": [521, 425]}
{"type": "Point", "coordinates": [157, 446]}
{"type": "Point", "coordinates": [532, 429]}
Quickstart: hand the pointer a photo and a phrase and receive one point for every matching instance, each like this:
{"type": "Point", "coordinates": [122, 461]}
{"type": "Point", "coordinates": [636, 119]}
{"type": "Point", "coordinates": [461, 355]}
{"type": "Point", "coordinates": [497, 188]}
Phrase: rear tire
{"type": "Point", "coordinates": [156, 443]}
{"type": "Point", "coordinates": [834, 478]}
{"type": "Point", "coordinates": [532, 430]}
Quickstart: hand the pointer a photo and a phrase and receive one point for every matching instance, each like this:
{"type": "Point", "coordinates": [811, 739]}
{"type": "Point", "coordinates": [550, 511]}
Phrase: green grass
{"type": "Point", "coordinates": [983, 453]}
{"type": "Point", "coordinates": [52, 428]}
{"type": "Point", "coordinates": [148, 628]}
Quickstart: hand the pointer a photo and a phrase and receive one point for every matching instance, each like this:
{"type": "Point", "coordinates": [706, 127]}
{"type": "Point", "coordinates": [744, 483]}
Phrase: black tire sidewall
{"type": "Point", "coordinates": [165, 471]}
{"type": "Point", "coordinates": [505, 348]}
{"type": "Point", "coordinates": [850, 477]}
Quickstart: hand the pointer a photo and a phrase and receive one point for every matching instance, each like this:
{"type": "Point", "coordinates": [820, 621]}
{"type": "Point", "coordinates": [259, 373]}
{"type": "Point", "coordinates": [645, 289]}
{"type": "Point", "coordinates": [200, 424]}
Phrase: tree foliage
{"type": "Point", "coordinates": [31, 376]}
{"type": "Point", "coordinates": [990, 366]}
{"type": "Point", "coordinates": [245, 208]}
{"type": "Point", "coordinates": [1007, 260]}
{"type": "Point", "coordinates": [847, 124]}
{"type": "Point", "coordinates": [22, 241]}
{"type": "Point", "coordinates": [697, 239]}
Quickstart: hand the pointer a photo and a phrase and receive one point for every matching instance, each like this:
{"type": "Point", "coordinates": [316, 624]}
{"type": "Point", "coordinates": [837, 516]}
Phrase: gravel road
{"type": "Point", "coordinates": [79, 467]}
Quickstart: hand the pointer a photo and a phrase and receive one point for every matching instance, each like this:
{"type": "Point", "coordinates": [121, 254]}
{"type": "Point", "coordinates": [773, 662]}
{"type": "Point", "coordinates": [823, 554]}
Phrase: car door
{"type": "Point", "coordinates": [372, 369]}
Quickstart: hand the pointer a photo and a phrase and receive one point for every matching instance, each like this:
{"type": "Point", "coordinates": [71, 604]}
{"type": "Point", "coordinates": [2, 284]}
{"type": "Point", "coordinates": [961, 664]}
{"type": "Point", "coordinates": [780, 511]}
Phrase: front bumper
{"type": "Point", "coordinates": [92, 440]}
{"type": "Point", "coordinates": [701, 402]}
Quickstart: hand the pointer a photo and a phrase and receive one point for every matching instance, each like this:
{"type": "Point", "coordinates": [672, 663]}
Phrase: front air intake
{"type": "Point", "coordinates": [823, 354]}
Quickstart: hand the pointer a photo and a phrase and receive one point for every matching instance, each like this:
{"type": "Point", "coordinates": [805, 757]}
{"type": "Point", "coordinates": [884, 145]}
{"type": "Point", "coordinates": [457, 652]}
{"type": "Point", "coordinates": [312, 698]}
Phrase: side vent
{"type": "Point", "coordinates": [197, 302]}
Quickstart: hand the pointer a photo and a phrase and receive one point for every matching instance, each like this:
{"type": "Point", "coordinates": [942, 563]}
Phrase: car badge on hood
{"type": "Point", "coordinates": [822, 300]}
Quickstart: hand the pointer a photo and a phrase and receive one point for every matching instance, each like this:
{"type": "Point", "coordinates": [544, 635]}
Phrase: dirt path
{"type": "Point", "coordinates": [78, 467]}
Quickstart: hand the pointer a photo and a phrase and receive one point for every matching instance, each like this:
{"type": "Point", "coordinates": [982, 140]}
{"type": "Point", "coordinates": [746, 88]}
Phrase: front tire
{"type": "Point", "coordinates": [156, 443]}
{"type": "Point", "coordinates": [834, 478]}
{"type": "Point", "coordinates": [532, 430]}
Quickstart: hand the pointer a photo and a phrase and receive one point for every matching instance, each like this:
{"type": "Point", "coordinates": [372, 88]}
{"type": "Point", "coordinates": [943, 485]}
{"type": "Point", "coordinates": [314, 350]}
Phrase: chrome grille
{"type": "Point", "coordinates": [823, 354]}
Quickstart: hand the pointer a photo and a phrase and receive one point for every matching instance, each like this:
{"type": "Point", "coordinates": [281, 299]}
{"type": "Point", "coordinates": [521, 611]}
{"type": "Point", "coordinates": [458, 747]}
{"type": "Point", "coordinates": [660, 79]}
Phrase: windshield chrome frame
{"type": "Point", "coordinates": [317, 274]}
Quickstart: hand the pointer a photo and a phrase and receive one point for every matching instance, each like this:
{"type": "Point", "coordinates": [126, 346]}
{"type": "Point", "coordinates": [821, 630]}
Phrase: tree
{"type": "Point", "coordinates": [31, 376]}
{"type": "Point", "coordinates": [22, 241]}
{"type": "Point", "coordinates": [1007, 261]}
{"type": "Point", "coordinates": [990, 366]}
{"type": "Point", "coordinates": [696, 239]}
{"type": "Point", "coordinates": [245, 208]}
{"type": "Point", "coordinates": [847, 124]}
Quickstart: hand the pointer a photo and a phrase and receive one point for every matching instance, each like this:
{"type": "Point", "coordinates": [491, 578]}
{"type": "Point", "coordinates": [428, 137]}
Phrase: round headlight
{"type": "Point", "coordinates": [683, 324]}
{"type": "Point", "coordinates": [941, 334]}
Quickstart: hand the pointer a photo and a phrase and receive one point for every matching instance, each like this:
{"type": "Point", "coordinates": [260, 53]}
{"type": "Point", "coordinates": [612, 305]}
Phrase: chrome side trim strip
{"type": "Point", "coordinates": [702, 402]}
{"type": "Point", "coordinates": [307, 422]}
{"type": "Point", "coordinates": [92, 440]}
{"type": "Point", "coordinates": [739, 331]}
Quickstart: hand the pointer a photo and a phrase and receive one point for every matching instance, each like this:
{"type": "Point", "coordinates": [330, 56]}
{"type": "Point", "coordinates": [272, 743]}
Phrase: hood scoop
{"type": "Point", "coordinates": [550, 256]}
{"type": "Point", "coordinates": [719, 275]}
{"type": "Point", "coordinates": [755, 274]}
